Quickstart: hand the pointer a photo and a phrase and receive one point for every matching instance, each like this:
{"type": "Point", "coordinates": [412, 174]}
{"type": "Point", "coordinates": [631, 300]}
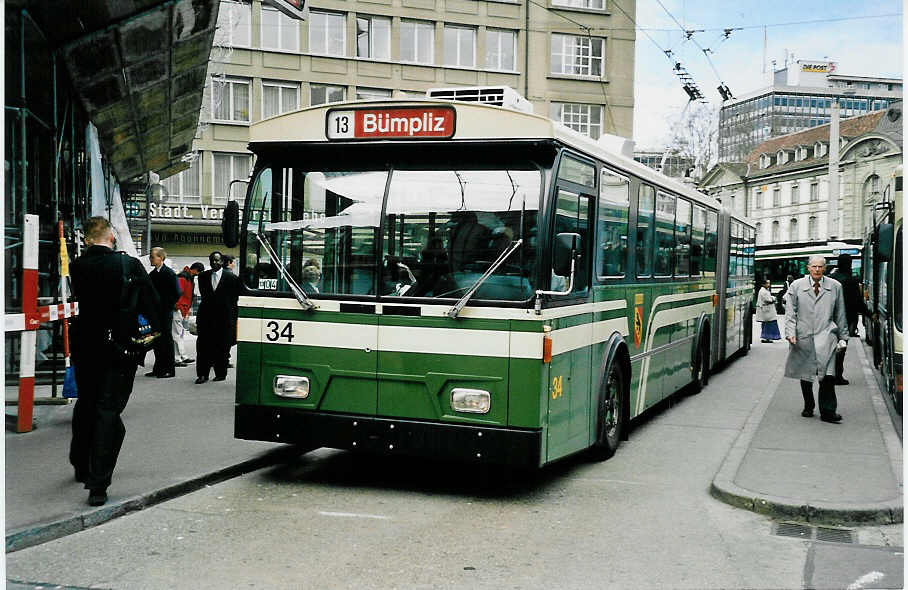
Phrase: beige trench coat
{"type": "Point", "coordinates": [818, 323]}
{"type": "Point", "coordinates": [766, 306]}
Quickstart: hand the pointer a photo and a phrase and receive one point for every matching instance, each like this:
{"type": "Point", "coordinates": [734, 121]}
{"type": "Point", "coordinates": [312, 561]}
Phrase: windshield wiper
{"type": "Point", "coordinates": [454, 311]}
{"type": "Point", "coordinates": [303, 299]}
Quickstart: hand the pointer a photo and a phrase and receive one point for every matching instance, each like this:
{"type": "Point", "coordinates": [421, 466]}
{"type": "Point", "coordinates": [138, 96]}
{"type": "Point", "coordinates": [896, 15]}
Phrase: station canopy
{"type": "Point", "coordinates": [139, 68]}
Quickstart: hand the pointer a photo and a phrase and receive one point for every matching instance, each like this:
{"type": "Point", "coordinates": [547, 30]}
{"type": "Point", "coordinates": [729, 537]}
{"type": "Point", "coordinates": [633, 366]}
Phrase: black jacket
{"type": "Point", "coordinates": [218, 310]}
{"type": "Point", "coordinates": [851, 289]}
{"type": "Point", "coordinates": [97, 283]}
{"type": "Point", "coordinates": [167, 286]}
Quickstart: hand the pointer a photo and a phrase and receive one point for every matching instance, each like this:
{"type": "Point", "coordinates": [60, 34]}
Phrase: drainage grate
{"type": "Point", "coordinates": [812, 533]}
{"type": "Point", "coordinates": [793, 529]}
{"type": "Point", "coordinates": [831, 535]}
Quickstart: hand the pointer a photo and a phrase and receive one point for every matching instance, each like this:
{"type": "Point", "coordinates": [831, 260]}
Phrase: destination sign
{"type": "Point", "coordinates": [393, 123]}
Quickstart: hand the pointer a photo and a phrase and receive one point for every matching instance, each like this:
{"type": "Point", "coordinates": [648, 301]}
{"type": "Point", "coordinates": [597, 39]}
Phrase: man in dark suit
{"type": "Point", "coordinates": [216, 319]}
{"type": "Point", "coordinates": [854, 300]}
{"type": "Point", "coordinates": [104, 380]}
{"type": "Point", "coordinates": [167, 286]}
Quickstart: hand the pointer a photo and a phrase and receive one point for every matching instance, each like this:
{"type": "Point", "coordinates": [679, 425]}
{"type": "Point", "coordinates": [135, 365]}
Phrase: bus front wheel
{"type": "Point", "coordinates": [611, 413]}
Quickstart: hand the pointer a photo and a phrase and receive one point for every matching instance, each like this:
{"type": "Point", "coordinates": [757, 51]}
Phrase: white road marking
{"type": "Point", "coordinates": [868, 578]}
{"type": "Point", "coordinates": [354, 515]}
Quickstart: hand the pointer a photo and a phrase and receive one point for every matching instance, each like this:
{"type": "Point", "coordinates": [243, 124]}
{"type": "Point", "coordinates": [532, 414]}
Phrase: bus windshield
{"type": "Point", "coordinates": [394, 232]}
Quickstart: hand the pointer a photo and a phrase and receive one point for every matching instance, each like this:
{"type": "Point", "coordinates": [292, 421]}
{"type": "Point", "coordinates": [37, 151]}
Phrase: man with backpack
{"type": "Point", "coordinates": [101, 280]}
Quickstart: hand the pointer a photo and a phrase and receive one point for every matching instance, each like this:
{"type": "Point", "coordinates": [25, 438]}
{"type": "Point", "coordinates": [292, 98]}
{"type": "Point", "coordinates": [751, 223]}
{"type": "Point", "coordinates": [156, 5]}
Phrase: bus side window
{"type": "Point", "coordinates": [646, 208]}
{"type": "Point", "coordinates": [711, 247]}
{"type": "Point", "coordinates": [611, 229]}
{"type": "Point", "coordinates": [697, 249]}
{"type": "Point", "coordinates": [572, 215]}
{"type": "Point", "coordinates": [682, 238]}
{"type": "Point", "coordinates": [665, 234]}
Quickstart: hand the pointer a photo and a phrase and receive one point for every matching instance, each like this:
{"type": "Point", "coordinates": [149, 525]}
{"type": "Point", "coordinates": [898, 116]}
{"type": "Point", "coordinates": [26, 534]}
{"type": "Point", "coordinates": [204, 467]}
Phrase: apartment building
{"type": "Point", "coordinates": [572, 59]}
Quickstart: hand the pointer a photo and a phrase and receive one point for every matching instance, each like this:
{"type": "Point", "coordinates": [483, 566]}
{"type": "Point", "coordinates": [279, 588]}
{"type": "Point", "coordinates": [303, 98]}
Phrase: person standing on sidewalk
{"type": "Point", "coordinates": [186, 277]}
{"type": "Point", "coordinates": [766, 315]}
{"type": "Point", "coordinates": [851, 289]}
{"type": "Point", "coordinates": [104, 380]}
{"type": "Point", "coordinates": [815, 327]}
{"type": "Point", "coordinates": [216, 322]}
{"type": "Point", "coordinates": [168, 288]}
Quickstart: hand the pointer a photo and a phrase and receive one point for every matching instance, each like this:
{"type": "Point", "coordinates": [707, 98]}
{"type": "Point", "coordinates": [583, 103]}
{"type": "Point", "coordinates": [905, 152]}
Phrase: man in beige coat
{"type": "Point", "coordinates": [815, 327]}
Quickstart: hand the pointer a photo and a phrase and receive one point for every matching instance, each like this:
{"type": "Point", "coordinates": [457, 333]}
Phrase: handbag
{"type": "Point", "coordinates": [132, 335]}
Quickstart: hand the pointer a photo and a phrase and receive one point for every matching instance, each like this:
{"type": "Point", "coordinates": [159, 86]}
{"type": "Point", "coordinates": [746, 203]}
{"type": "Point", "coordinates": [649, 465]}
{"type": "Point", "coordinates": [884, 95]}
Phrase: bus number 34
{"type": "Point", "coordinates": [276, 331]}
{"type": "Point", "coordinates": [557, 387]}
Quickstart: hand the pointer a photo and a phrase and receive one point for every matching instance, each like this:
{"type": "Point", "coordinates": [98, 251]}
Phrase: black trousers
{"type": "Point", "coordinates": [163, 347]}
{"type": "Point", "coordinates": [826, 395]}
{"type": "Point", "coordinates": [211, 352]}
{"type": "Point", "coordinates": [839, 364]}
{"type": "Point", "coordinates": [98, 431]}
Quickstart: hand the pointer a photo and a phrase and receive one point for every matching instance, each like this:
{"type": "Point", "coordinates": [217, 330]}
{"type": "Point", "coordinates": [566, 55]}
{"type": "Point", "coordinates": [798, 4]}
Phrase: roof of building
{"type": "Point", "coordinates": [848, 128]}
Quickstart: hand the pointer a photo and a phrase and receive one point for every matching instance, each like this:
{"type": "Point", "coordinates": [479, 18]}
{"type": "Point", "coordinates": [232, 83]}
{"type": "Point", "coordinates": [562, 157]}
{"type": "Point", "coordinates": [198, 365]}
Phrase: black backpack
{"type": "Point", "coordinates": [132, 335]}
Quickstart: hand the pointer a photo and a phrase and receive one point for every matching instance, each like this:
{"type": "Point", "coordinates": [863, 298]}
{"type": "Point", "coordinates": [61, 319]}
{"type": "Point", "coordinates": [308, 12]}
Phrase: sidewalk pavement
{"type": "Point", "coordinates": [795, 468]}
{"type": "Point", "coordinates": [179, 437]}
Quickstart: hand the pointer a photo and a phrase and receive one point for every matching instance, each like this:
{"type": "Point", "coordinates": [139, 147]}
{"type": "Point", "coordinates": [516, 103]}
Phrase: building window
{"type": "Point", "coordinates": [588, 4]}
{"type": "Point", "coordinates": [776, 232]}
{"type": "Point", "coordinates": [583, 118]}
{"type": "Point", "coordinates": [229, 167]}
{"type": "Point", "coordinates": [279, 31]}
{"type": "Point", "coordinates": [777, 197]}
{"type": "Point", "coordinates": [872, 188]}
{"type": "Point", "coordinates": [326, 33]}
{"type": "Point", "coordinates": [417, 41]}
{"type": "Point", "coordinates": [793, 230]}
{"type": "Point", "coordinates": [759, 231]}
{"type": "Point", "coordinates": [501, 49]}
{"type": "Point", "coordinates": [230, 99]}
{"type": "Point", "coordinates": [460, 46]}
{"type": "Point", "coordinates": [234, 28]}
{"type": "Point", "coordinates": [580, 56]}
{"type": "Point", "coordinates": [757, 198]}
{"type": "Point", "coordinates": [279, 98]}
{"type": "Point", "coordinates": [325, 93]}
{"type": "Point", "coordinates": [372, 93]}
{"type": "Point", "coordinates": [373, 37]}
{"type": "Point", "coordinates": [812, 229]}
{"type": "Point", "coordinates": [184, 187]}
{"type": "Point", "coordinates": [814, 192]}
{"type": "Point", "coordinates": [795, 194]}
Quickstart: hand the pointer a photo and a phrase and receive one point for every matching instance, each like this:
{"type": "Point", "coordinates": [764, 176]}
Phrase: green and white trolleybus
{"type": "Point", "coordinates": [460, 280]}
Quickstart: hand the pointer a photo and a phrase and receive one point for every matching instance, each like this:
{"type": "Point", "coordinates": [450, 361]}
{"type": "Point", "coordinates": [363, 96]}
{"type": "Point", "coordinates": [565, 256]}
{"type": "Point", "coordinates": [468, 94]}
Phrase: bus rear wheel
{"type": "Point", "coordinates": [610, 424]}
{"type": "Point", "coordinates": [700, 376]}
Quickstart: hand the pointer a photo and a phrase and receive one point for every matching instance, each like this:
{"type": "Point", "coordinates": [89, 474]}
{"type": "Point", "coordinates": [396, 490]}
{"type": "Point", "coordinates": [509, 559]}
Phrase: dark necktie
{"type": "Point", "coordinates": [816, 287]}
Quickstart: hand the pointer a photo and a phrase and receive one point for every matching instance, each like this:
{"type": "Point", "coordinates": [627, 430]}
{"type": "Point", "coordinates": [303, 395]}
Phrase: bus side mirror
{"type": "Point", "coordinates": [230, 225]}
{"type": "Point", "coordinates": [884, 240]}
{"type": "Point", "coordinates": [566, 247]}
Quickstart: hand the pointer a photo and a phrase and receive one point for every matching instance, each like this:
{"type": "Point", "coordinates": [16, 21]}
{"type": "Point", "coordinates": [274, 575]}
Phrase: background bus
{"type": "Point", "coordinates": [465, 281]}
{"type": "Point", "coordinates": [775, 262]}
{"type": "Point", "coordinates": [883, 289]}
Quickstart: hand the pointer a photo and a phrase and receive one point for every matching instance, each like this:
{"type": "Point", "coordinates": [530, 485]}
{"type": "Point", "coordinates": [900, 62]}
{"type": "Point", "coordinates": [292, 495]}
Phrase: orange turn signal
{"type": "Point", "coordinates": [547, 348]}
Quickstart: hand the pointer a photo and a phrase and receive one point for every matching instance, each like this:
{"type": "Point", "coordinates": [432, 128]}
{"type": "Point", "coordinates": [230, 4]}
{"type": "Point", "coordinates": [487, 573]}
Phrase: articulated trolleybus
{"type": "Point", "coordinates": [460, 280]}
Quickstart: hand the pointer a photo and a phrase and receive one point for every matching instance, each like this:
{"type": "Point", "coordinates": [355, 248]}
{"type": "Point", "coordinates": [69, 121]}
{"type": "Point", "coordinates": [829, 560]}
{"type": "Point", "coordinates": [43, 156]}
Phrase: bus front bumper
{"type": "Point", "coordinates": [461, 442]}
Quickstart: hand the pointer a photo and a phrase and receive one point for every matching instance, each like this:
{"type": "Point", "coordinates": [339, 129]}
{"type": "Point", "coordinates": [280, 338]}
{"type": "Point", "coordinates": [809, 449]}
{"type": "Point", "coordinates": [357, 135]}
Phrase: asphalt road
{"type": "Point", "coordinates": [332, 519]}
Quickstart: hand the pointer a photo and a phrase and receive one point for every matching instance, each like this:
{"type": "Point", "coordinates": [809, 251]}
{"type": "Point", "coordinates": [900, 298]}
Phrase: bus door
{"type": "Point", "coordinates": [570, 370]}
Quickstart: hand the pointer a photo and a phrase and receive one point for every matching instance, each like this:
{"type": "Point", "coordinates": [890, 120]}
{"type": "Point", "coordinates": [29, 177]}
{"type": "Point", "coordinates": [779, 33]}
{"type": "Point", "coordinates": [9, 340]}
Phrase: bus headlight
{"type": "Point", "coordinates": [474, 401]}
{"type": "Point", "coordinates": [291, 386]}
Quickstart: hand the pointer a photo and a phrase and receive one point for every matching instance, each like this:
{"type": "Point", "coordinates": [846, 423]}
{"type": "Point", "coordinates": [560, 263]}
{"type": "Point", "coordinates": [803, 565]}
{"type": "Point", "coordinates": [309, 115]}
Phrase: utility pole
{"type": "Point", "coordinates": [832, 225]}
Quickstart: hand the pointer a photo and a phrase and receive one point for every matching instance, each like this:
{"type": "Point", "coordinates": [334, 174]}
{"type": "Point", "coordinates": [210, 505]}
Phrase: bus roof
{"type": "Point", "coordinates": [474, 122]}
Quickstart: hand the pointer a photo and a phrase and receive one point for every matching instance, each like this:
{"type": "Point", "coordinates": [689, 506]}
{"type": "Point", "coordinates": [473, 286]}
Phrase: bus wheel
{"type": "Point", "coordinates": [701, 365]}
{"type": "Point", "coordinates": [610, 423]}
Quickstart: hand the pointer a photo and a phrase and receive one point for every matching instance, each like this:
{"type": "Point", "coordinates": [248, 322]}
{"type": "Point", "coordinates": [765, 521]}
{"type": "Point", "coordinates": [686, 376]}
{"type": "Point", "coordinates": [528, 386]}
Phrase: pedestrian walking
{"type": "Point", "coordinates": [854, 303]}
{"type": "Point", "coordinates": [766, 315]}
{"type": "Point", "coordinates": [104, 379]}
{"type": "Point", "coordinates": [168, 288]}
{"type": "Point", "coordinates": [186, 277]}
{"type": "Point", "coordinates": [815, 326]}
{"type": "Point", "coordinates": [216, 320]}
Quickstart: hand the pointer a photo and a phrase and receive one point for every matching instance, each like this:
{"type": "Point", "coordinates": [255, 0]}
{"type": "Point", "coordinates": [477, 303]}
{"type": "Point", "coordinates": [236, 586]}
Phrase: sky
{"type": "Point", "coordinates": [864, 47]}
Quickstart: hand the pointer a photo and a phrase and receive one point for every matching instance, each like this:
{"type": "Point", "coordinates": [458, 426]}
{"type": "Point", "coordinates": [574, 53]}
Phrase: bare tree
{"type": "Point", "coordinates": [695, 135]}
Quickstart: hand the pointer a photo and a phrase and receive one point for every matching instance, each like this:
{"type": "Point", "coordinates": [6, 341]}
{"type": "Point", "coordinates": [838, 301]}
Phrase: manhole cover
{"type": "Point", "coordinates": [793, 529]}
{"type": "Point", "coordinates": [831, 535]}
